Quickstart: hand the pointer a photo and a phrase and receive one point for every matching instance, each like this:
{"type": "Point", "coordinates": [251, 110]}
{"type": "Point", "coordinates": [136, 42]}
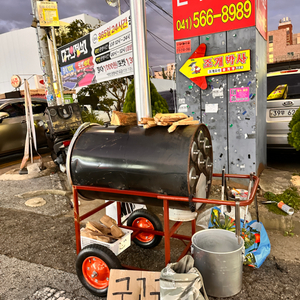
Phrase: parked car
{"type": "Point", "coordinates": [283, 90]}
{"type": "Point", "coordinates": [13, 126]}
{"type": "Point", "coordinates": [170, 97]}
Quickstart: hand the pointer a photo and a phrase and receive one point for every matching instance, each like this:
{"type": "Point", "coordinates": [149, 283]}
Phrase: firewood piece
{"type": "Point", "coordinates": [170, 117]}
{"type": "Point", "coordinates": [164, 123]}
{"type": "Point", "coordinates": [151, 123]}
{"type": "Point", "coordinates": [146, 126]}
{"type": "Point", "coordinates": [120, 118]}
{"type": "Point", "coordinates": [181, 123]}
{"type": "Point", "coordinates": [95, 235]}
{"type": "Point", "coordinates": [187, 119]}
{"type": "Point", "coordinates": [184, 122]}
{"type": "Point", "coordinates": [96, 226]}
{"type": "Point", "coordinates": [145, 120]}
{"type": "Point", "coordinates": [172, 127]}
{"type": "Point", "coordinates": [111, 223]}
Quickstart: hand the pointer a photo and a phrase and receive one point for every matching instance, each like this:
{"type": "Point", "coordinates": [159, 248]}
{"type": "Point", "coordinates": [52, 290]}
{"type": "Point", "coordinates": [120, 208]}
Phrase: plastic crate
{"type": "Point", "coordinates": [117, 247]}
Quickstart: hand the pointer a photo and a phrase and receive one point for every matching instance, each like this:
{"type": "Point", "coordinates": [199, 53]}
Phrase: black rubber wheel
{"type": "Point", "coordinates": [90, 260]}
{"type": "Point", "coordinates": [145, 219]}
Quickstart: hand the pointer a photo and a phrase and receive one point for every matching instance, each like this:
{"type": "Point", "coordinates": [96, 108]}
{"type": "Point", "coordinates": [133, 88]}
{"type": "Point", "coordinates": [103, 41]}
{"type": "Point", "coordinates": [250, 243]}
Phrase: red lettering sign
{"type": "Point", "coordinates": [183, 46]}
{"type": "Point", "coordinates": [196, 18]}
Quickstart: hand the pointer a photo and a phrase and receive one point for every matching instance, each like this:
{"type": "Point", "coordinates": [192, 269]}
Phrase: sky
{"type": "Point", "coordinates": [17, 15]}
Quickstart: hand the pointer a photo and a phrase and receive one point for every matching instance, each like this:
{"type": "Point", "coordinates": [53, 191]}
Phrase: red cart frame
{"type": "Point", "coordinates": [168, 232]}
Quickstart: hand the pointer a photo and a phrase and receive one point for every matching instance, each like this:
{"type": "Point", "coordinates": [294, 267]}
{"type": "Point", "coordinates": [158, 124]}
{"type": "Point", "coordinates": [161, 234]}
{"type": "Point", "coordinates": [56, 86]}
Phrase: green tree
{"type": "Point", "coordinates": [158, 103]}
{"type": "Point", "coordinates": [163, 73]}
{"type": "Point", "coordinates": [72, 32]}
{"type": "Point", "coordinates": [294, 134]}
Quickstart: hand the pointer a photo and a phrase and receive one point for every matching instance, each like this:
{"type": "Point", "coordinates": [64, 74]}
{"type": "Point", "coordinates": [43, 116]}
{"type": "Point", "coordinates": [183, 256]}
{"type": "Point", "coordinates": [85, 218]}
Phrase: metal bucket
{"type": "Point", "coordinates": [219, 258]}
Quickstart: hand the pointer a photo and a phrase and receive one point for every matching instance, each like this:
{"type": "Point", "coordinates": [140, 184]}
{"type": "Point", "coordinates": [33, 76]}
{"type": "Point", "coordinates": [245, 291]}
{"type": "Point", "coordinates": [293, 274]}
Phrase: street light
{"type": "Point", "coordinates": [114, 3]}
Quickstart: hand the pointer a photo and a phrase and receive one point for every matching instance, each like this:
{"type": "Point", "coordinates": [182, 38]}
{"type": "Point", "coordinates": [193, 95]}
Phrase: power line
{"type": "Point", "coordinates": [158, 6]}
{"type": "Point", "coordinates": [160, 39]}
{"type": "Point", "coordinates": [159, 42]}
{"type": "Point", "coordinates": [155, 37]}
{"type": "Point", "coordinates": [159, 13]}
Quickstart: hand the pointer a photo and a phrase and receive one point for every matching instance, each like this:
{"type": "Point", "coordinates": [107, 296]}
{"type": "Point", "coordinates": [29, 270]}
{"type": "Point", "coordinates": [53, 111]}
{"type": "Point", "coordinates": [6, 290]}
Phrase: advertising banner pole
{"type": "Point", "coordinates": [140, 57]}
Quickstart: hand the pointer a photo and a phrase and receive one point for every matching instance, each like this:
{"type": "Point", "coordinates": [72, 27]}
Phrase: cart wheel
{"type": "Point", "coordinates": [93, 266]}
{"type": "Point", "coordinates": [144, 219]}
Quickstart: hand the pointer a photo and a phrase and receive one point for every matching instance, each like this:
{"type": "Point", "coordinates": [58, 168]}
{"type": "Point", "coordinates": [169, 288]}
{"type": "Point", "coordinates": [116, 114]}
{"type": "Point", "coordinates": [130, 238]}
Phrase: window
{"type": "Point", "coordinates": [14, 109]}
{"type": "Point", "coordinates": [270, 60]}
{"type": "Point", "coordinates": [271, 50]}
{"type": "Point", "coordinates": [270, 38]}
{"type": "Point", "coordinates": [270, 56]}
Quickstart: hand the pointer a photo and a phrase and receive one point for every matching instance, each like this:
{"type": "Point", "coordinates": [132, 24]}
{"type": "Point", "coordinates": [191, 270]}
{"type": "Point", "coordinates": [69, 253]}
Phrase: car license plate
{"type": "Point", "coordinates": [276, 113]}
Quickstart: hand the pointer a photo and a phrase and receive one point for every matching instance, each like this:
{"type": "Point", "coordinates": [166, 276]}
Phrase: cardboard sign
{"type": "Point", "coordinates": [196, 18]}
{"type": "Point", "coordinates": [133, 285]}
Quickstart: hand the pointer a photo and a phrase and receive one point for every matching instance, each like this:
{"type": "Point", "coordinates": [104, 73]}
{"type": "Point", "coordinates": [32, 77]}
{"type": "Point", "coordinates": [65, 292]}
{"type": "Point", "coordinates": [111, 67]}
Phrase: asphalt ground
{"type": "Point", "coordinates": [37, 250]}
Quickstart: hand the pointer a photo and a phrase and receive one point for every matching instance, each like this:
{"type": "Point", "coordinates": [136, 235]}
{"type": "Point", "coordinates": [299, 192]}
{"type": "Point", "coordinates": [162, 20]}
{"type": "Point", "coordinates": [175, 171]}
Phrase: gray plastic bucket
{"type": "Point", "coordinates": [219, 258]}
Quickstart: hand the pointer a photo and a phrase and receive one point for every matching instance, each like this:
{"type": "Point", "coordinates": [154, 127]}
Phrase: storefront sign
{"type": "Point", "coordinates": [104, 54]}
{"type": "Point", "coordinates": [196, 18]}
{"type": "Point", "coordinates": [47, 13]}
{"type": "Point", "coordinates": [15, 81]}
{"type": "Point", "coordinates": [198, 66]}
{"type": "Point", "coordinates": [220, 64]}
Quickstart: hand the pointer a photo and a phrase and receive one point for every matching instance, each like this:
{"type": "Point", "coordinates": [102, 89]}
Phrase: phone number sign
{"type": "Point", "coordinates": [195, 18]}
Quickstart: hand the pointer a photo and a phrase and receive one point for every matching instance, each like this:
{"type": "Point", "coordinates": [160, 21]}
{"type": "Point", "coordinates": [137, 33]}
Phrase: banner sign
{"type": "Point", "coordinates": [195, 18]}
{"type": "Point", "coordinates": [220, 64]}
{"type": "Point", "coordinates": [103, 54]}
{"type": "Point", "coordinates": [47, 13]}
{"type": "Point", "coordinates": [112, 49]}
{"type": "Point", "coordinates": [75, 51]}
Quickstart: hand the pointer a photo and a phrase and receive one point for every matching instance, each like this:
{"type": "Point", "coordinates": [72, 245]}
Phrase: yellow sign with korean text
{"type": "Point", "coordinates": [47, 13]}
{"type": "Point", "coordinates": [220, 64]}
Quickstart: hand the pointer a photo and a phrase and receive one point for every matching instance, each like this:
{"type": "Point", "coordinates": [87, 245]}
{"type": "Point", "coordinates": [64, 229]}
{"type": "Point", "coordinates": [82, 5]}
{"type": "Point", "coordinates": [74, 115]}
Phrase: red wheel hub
{"type": "Point", "coordinates": [96, 272]}
{"type": "Point", "coordinates": [144, 237]}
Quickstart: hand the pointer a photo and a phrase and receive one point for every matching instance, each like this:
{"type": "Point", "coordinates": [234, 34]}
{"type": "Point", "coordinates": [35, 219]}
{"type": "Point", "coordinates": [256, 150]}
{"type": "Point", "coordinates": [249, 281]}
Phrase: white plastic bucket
{"type": "Point", "coordinates": [219, 258]}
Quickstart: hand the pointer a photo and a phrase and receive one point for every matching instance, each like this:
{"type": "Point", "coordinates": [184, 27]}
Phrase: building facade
{"type": "Point", "coordinates": [168, 73]}
{"type": "Point", "coordinates": [283, 44]}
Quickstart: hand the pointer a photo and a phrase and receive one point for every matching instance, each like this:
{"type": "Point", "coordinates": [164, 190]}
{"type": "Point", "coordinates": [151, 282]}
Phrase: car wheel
{"type": "Point", "coordinates": [143, 218]}
{"type": "Point", "coordinates": [93, 266]}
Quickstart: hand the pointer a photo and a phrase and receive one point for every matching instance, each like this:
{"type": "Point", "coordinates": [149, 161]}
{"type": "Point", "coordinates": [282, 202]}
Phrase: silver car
{"type": "Point", "coordinates": [281, 110]}
{"type": "Point", "coordinates": [13, 126]}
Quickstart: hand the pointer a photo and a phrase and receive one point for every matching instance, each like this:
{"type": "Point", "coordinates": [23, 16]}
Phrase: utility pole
{"type": "Point", "coordinates": [44, 56]}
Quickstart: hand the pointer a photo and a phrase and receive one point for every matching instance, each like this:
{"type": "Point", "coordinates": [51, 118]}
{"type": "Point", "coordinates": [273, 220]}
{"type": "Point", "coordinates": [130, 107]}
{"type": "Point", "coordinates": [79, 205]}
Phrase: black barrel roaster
{"type": "Point", "coordinates": [148, 160]}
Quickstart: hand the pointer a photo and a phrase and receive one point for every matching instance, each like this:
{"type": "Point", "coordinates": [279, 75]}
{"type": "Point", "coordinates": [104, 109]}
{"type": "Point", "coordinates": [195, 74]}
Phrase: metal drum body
{"type": "Point", "coordinates": [134, 158]}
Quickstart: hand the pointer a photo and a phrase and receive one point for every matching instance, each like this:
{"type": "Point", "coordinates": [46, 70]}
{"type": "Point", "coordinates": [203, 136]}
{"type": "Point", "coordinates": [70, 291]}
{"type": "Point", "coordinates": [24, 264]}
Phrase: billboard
{"type": "Point", "coordinates": [195, 18]}
{"type": "Point", "coordinates": [103, 54]}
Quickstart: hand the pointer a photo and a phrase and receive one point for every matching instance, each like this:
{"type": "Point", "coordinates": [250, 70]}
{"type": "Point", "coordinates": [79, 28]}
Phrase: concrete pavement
{"type": "Point", "coordinates": [31, 281]}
